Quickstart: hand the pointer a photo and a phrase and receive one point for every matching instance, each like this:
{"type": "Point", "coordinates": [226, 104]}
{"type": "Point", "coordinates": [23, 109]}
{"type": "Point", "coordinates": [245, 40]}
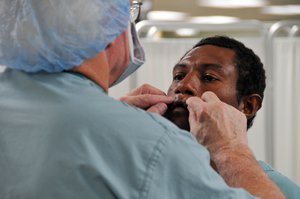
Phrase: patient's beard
{"type": "Point", "coordinates": [179, 116]}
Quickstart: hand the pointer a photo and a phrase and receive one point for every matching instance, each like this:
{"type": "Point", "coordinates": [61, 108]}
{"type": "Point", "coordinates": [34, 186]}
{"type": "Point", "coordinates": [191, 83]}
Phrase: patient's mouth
{"type": "Point", "coordinates": [177, 109]}
{"type": "Point", "coordinates": [177, 104]}
{"type": "Point", "coordinates": [178, 113]}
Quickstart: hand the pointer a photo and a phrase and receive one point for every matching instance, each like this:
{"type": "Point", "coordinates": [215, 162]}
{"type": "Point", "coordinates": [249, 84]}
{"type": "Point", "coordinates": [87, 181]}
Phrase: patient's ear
{"type": "Point", "coordinates": [250, 104]}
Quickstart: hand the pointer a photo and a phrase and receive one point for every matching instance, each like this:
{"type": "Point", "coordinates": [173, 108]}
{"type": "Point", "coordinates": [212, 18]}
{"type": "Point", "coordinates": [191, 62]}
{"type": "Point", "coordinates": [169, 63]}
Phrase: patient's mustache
{"type": "Point", "coordinates": [177, 103]}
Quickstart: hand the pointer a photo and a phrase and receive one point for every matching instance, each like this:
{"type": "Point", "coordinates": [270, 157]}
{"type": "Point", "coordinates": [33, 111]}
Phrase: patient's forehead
{"type": "Point", "coordinates": [211, 52]}
{"type": "Point", "coordinates": [209, 55]}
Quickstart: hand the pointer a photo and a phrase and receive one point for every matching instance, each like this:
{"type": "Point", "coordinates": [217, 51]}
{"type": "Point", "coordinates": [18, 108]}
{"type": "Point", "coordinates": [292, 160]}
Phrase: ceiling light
{"type": "Point", "coordinates": [214, 19]}
{"type": "Point", "coordinates": [232, 3]}
{"type": "Point", "coordinates": [282, 10]}
{"type": "Point", "coordinates": [167, 15]}
{"type": "Point", "coordinates": [186, 32]}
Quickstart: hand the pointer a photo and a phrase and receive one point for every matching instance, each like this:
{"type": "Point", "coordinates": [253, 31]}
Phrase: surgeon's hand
{"type": "Point", "coordinates": [148, 98]}
{"type": "Point", "coordinates": [215, 124]}
{"type": "Point", "coordinates": [221, 128]}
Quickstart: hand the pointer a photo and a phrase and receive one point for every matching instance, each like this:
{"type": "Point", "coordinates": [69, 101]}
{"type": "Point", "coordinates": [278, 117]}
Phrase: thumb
{"type": "Point", "coordinates": [159, 108]}
{"type": "Point", "coordinates": [195, 108]}
{"type": "Point", "coordinates": [193, 122]}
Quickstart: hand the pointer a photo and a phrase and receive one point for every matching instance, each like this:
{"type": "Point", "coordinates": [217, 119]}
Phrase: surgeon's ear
{"type": "Point", "coordinates": [250, 105]}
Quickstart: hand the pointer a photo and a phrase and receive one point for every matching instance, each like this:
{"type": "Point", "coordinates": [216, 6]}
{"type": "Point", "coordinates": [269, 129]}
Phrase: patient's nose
{"type": "Point", "coordinates": [189, 85]}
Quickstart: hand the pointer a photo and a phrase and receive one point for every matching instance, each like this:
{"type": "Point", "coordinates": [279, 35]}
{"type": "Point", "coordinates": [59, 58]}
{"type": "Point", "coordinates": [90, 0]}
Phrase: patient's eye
{"type": "Point", "coordinates": [178, 76]}
{"type": "Point", "coordinates": [209, 78]}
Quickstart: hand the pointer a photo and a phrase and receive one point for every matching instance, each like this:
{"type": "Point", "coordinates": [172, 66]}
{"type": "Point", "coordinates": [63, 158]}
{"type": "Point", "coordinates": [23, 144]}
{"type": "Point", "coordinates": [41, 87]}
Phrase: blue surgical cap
{"type": "Point", "coordinates": [56, 35]}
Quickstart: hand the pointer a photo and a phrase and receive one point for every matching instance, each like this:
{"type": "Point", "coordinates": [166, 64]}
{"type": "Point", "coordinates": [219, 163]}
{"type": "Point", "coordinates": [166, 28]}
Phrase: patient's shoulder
{"type": "Point", "coordinates": [287, 186]}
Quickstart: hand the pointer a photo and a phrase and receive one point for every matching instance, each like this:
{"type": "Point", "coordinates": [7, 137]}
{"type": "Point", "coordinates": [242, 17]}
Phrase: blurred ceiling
{"type": "Point", "coordinates": [194, 8]}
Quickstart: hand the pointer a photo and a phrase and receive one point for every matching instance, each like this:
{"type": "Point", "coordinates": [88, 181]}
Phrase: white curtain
{"type": "Point", "coordinates": [287, 106]}
{"type": "Point", "coordinates": [161, 56]}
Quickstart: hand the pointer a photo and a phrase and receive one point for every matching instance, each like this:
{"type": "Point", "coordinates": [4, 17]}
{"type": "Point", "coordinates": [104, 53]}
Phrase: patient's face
{"type": "Point", "coordinates": [205, 68]}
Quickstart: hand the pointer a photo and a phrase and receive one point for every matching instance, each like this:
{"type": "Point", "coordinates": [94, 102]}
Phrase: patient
{"type": "Point", "coordinates": [235, 74]}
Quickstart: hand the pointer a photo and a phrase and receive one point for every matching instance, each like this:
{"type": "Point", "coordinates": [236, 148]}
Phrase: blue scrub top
{"type": "Point", "coordinates": [62, 137]}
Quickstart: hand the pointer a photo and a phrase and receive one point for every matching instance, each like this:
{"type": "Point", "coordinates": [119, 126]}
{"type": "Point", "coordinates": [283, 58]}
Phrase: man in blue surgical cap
{"type": "Point", "coordinates": [61, 136]}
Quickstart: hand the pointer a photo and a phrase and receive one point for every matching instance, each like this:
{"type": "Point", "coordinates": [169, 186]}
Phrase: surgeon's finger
{"type": "Point", "coordinates": [195, 107]}
{"type": "Point", "coordinates": [194, 104]}
{"type": "Point", "coordinates": [146, 100]}
{"type": "Point", "coordinates": [146, 89]}
{"type": "Point", "coordinates": [209, 96]}
{"type": "Point", "coordinates": [193, 121]}
{"type": "Point", "coordinates": [159, 108]}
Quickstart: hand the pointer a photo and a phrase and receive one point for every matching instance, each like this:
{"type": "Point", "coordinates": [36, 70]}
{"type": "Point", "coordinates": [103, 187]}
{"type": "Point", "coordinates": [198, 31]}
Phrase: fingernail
{"type": "Point", "coordinates": [162, 107]}
{"type": "Point", "coordinates": [173, 97]}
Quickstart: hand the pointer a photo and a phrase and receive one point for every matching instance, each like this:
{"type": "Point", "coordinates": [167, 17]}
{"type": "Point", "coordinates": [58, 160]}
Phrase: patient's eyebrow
{"type": "Point", "coordinates": [179, 65]}
{"type": "Point", "coordinates": [202, 66]}
{"type": "Point", "coordinates": [213, 66]}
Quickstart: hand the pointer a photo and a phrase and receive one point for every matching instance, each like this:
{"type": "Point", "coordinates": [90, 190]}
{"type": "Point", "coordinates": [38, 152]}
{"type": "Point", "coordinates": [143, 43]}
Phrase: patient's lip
{"type": "Point", "coordinates": [181, 98]}
{"type": "Point", "coordinates": [179, 102]}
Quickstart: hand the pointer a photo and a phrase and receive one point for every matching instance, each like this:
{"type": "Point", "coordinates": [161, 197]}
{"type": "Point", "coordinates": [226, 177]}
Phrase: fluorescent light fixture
{"type": "Point", "coordinates": [282, 10]}
{"type": "Point", "coordinates": [214, 19]}
{"type": "Point", "coordinates": [167, 15]}
{"type": "Point", "coordinates": [152, 32]}
{"type": "Point", "coordinates": [232, 3]}
{"type": "Point", "coordinates": [186, 32]}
